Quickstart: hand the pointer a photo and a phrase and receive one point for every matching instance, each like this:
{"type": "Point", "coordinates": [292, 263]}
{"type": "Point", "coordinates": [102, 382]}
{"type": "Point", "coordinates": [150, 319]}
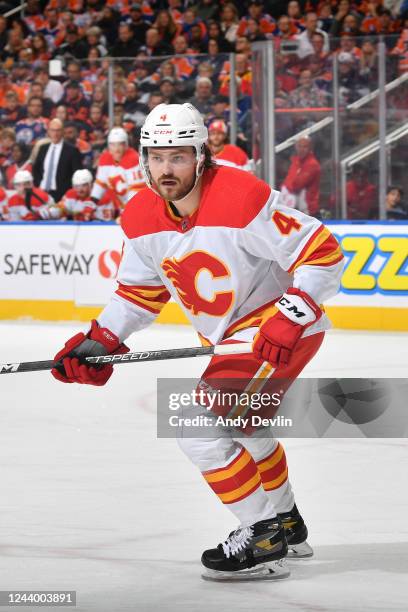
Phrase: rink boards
{"type": "Point", "coordinates": [66, 271]}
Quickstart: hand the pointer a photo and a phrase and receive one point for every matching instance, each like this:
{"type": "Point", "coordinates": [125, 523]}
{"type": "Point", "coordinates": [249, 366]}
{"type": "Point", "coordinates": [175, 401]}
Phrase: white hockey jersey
{"type": "Point", "coordinates": [226, 264]}
{"type": "Point", "coordinates": [124, 179]}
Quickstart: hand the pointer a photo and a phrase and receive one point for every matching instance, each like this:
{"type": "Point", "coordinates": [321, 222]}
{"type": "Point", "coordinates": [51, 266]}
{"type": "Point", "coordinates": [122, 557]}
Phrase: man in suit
{"type": "Point", "coordinates": [56, 162]}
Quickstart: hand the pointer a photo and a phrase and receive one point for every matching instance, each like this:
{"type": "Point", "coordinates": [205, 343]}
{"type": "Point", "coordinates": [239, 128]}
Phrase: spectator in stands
{"type": "Point", "coordinates": [295, 15]}
{"type": "Point", "coordinates": [52, 88]}
{"type": "Point", "coordinates": [133, 108]}
{"type": "Point", "coordinates": [100, 96]}
{"type": "Point", "coordinates": [39, 48]}
{"type": "Point", "coordinates": [97, 120]}
{"type": "Point", "coordinates": [350, 86]}
{"type": "Point", "coordinates": [73, 45]}
{"type": "Point", "coordinates": [368, 64]}
{"type": "Point", "coordinates": [11, 112]}
{"type": "Point", "coordinates": [256, 14]}
{"type": "Point", "coordinates": [15, 44]}
{"type": "Point", "coordinates": [215, 32]}
{"type": "Point", "coordinates": [71, 136]}
{"type": "Point", "coordinates": [401, 50]}
{"type": "Point", "coordinates": [206, 10]}
{"type": "Point", "coordinates": [20, 160]}
{"type": "Point", "coordinates": [229, 22]}
{"type": "Point", "coordinates": [307, 95]}
{"type": "Point", "coordinates": [3, 33]}
{"type": "Point", "coordinates": [34, 126]}
{"type": "Point", "coordinates": [166, 26]}
{"type": "Point", "coordinates": [305, 38]}
{"type": "Point", "coordinates": [326, 18]}
{"type": "Point", "coordinates": [138, 23]}
{"type": "Point", "coordinates": [126, 45]}
{"type": "Point", "coordinates": [6, 86]}
{"type": "Point", "coordinates": [221, 150]}
{"type": "Point", "coordinates": [396, 211]}
{"type": "Point", "coordinates": [203, 97]}
{"type": "Point", "coordinates": [155, 98]}
{"type": "Point", "coordinates": [168, 91]}
{"type": "Point", "coordinates": [7, 141]}
{"type": "Point", "coordinates": [301, 187]}
{"type": "Point", "coordinates": [56, 162]}
{"type": "Point", "coordinates": [29, 203]}
{"type": "Point", "coordinates": [339, 26]}
{"type": "Point", "coordinates": [76, 103]}
{"type": "Point", "coordinates": [361, 195]}
{"type": "Point", "coordinates": [93, 41]}
{"type": "Point", "coordinates": [109, 22]}
{"type": "Point", "coordinates": [37, 90]}
{"type": "Point", "coordinates": [154, 46]}
{"type": "Point", "coordinates": [220, 110]}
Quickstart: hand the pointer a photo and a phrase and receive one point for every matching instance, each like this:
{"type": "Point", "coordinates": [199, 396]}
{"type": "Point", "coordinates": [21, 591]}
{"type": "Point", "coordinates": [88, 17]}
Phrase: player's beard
{"type": "Point", "coordinates": [177, 191]}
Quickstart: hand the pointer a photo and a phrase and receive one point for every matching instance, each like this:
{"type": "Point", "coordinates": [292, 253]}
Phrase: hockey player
{"type": "Point", "coordinates": [224, 153]}
{"type": "Point", "coordinates": [244, 269]}
{"type": "Point", "coordinates": [118, 170]}
{"type": "Point", "coordinates": [78, 205]}
{"type": "Point", "coordinates": [29, 203]}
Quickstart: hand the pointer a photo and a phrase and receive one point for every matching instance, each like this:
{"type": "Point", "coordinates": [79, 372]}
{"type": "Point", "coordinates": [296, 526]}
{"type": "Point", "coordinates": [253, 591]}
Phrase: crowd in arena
{"type": "Point", "coordinates": [54, 116]}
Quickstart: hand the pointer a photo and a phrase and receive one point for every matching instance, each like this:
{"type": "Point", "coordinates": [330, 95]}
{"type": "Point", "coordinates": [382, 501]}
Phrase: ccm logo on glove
{"type": "Point", "coordinates": [277, 338]}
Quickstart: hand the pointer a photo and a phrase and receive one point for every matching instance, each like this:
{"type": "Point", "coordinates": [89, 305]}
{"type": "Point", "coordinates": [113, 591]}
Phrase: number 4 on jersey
{"type": "Point", "coordinates": [285, 223]}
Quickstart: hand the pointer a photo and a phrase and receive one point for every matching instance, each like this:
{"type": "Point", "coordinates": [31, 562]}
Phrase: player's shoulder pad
{"type": "Point", "coordinates": [40, 192]}
{"type": "Point", "coordinates": [71, 193]}
{"type": "Point", "coordinates": [139, 218]}
{"type": "Point", "coordinates": [106, 159]}
{"type": "Point", "coordinates": [130, 158]}
{"type": "Point", "coordinates": [232, 197]}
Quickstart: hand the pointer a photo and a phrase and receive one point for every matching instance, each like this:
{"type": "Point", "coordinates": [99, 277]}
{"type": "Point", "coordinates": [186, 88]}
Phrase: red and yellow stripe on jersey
{"type": "Point", "coordinates": [322, 249]}
{"type": "Point", "coordinates": [235, 481]}
{"type": "Point", "coordinates": [151, 298]}
{"type": "Point", "coordinates": [273, 469]}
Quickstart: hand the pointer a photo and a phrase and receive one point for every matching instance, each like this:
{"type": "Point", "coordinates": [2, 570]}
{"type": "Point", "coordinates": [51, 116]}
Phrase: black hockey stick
{"type": "Point", "coordinates": [182, 353]}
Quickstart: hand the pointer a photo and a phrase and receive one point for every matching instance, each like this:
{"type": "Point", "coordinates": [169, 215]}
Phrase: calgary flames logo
{"type": "Point", "coordinates": [184, 273]}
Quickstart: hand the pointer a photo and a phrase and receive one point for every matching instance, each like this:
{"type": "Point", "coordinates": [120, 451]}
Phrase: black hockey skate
{"type": "Point", "coordinates": [296, 534]}
{"type": "Point", "coordinates": [249, 553]}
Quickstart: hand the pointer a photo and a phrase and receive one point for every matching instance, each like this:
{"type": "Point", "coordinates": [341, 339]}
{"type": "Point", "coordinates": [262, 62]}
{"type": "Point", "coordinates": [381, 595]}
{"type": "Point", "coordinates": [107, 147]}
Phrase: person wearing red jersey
{"type": "Point", "coordinates": [78, 205]}
{"type": "Point", "coordinates": [243, 268]}
{"type": "Point", "coordinates": [225, 153]}
{"type": "Point", "coordinates": [118, 170]}
{"type": "Point", "coordinates": [301, 187]}
{"type": "Point", "coordinates": [29, 203]}
{"type": "Point", "coordinates": [4, 213]}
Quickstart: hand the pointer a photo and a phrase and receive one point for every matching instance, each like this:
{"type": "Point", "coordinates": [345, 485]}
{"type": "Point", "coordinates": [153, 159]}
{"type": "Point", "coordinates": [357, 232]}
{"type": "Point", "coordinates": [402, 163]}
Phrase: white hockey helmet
{"type": "Point", "coordinates": [82, 177]}
{"type": "Point", "coordinates": [173, 125]}
{"type": "Point", "coordinates": [117, 134]}
{"type": "Point", "coordinates": [22, 176]}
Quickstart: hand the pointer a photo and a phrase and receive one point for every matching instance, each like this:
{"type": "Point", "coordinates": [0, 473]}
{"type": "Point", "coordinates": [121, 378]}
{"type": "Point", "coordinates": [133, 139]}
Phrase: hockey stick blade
{"type": "Point", "coordinates": [160, 355]}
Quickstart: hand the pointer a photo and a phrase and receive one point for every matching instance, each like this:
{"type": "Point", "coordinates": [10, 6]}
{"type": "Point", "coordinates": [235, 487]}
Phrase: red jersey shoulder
{"type": "Point", "coordinates": [231, 197]}
{"type": "Point", "coordinates": [234, 154]}
{"type": "Point", "coordinates": [71, 194]}
{"type": "Point", "coordinates": [138, 218]}
{"type": "Point", "coordinates": [16, 200]}
{"type": "Point", "coordinates": [106, 159]}
{"type": "Point", "coordinates": [130, 159]}
{"type": "Point", "coordinates": [41, 193]}
{"type": "Point", "coordinates": [3, 194]}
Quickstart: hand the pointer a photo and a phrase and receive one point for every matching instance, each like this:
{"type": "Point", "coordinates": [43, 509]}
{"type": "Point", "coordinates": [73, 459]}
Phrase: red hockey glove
{"type": "Point", "coordinates": [278, 336]}
{"type": "Point", "coordinates": [98, 341]}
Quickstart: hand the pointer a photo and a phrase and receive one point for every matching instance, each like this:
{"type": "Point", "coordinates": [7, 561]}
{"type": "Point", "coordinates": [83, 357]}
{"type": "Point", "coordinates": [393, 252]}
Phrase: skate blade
{"type": "Point", "coordinates": [274, 570]}
{"type": "Point", "coordinates": [299, 551]}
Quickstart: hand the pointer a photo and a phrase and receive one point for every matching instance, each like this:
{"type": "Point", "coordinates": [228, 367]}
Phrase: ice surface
{"type": "Point", "coordinates": [92, 501]}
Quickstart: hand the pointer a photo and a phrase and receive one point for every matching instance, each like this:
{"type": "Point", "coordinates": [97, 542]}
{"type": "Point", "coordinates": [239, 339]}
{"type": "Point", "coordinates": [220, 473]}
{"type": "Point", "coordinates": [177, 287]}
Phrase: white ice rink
{"type": "Point", "coordinates": [92, 501]}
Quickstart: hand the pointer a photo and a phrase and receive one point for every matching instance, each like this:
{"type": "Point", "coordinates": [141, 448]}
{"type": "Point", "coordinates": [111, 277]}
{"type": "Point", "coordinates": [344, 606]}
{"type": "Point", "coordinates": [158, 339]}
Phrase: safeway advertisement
{"type": "Point", "coordinates": [59, 262]}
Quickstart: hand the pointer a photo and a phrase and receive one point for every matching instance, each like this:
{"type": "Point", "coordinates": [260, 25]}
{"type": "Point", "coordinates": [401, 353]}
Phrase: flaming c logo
{"type": "Point", "coordinates": [115, 182]}
{"type": "Point", "coordinates": [184, 273]}
{"type": "Point", "coordinates": [108, 263]}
